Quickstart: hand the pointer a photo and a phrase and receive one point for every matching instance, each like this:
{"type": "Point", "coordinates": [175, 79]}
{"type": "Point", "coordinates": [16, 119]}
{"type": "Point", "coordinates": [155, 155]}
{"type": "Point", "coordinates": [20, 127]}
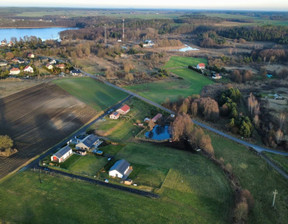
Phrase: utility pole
{"type": "Point", "coordinates": [123, 33]}
{"type": "Point", "coordinates": [105, 34]}
{"type": "Point", "coordinates": [274, 197]}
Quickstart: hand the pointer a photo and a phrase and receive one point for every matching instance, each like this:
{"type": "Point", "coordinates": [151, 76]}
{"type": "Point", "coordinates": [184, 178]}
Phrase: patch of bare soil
{"type": "Point", "coordinates": [38, 118]}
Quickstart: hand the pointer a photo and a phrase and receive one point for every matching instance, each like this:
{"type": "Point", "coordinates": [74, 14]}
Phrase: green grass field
{"type": "Point", "coordinates": [191, 83]}
{"type": "Point", "coordinates": [258, 177]}
{"type": "Point", "coordinates": [178, 61]}
{"type": "Point", "coordinates": [281, 161]}
{"type": "Point", "coordinates": [94, 93]}
{"type": "Point", "coordinates": [186, 195]}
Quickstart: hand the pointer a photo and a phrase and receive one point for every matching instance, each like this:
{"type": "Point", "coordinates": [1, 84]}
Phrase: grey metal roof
{"type": "Point", "coordinates": [90, 140]}
{"type": "Point", "coordinates": [62, 151]}
{"type": "Point", "coordinates": [120, 166]}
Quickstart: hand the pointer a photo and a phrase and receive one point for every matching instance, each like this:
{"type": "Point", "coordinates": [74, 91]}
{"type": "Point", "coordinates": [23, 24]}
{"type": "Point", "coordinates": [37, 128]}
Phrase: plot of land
{"type": "Point", "coordinates": [185, 197]}
{"type": "Point", "coordinates": [188, 83]}
{"type": "Point", "coordinates": [177, 61]}
{"type": "Point", "coordinates": [36, 119]}
{"type": "Point", "coordinates": [94, 93]}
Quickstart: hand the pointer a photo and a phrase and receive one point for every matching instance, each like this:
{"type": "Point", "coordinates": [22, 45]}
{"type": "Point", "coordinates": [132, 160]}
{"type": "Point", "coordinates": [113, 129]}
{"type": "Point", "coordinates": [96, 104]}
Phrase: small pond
{"type": "Point", "coordinates": [159, 133]}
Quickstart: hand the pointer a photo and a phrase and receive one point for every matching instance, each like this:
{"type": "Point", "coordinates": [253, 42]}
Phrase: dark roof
{"type": "Point", "coordinates": [90, 140]}
{"type": "Point", "coordinates": [120, 166]}
{"type": "Point", "coordinates": [75, 71]}
{"type": "Point", "coordinates": [62, 151]}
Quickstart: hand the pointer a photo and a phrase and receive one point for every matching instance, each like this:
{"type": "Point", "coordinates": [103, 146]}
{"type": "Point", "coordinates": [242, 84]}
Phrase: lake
{"type": "Point", "coordinates": [43, 33]}
{"type": "Point", "coordinates": [159, 133]}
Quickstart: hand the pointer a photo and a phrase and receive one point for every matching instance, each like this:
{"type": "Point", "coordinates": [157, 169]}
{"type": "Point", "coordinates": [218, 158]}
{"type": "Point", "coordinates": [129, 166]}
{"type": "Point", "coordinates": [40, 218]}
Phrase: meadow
{"type": "Point", "coordinates": [186, 196]}
{"type": "Point", "coordinates": [185, 83]}
{"type": "Point", "coordinates": [281, 161]}
{"type": "Point", "coordinates": [94, 93]}
{"type": "Point", "coordinates": [258, 177]}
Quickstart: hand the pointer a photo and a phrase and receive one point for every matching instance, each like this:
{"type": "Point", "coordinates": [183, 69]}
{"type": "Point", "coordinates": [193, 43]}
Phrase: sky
{"type": "Point", "coordinates": [281, 5]}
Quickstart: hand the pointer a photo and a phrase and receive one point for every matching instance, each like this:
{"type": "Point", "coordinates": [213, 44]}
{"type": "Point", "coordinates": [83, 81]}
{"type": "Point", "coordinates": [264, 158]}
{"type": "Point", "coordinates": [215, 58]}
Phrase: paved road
{"type": "Point", "coordinates": [242, 142]}
{"type": "Point", "coordinates": [102, 183]}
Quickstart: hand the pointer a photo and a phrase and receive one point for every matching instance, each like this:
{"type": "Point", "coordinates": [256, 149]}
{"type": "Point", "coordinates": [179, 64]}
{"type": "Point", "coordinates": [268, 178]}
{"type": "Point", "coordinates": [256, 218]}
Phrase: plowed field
{"type": "Point", "coordinates": [36, 119]}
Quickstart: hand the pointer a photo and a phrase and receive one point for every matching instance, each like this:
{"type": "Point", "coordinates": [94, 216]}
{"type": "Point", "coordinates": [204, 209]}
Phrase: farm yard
{"type": "Point", "coordinates": [176, 175]}
{"type": "Point", "coordinates": [36, 119]}
{"type": "Point", "coordinates": [92, 92]}
{"type": "Point", "coordinates": [185, 83]}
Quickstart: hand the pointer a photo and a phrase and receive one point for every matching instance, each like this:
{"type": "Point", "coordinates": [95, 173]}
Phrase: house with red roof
{"type": "Point", "coordinates": [28, 69]}
{"type": "Point", "coordinates": [124, 109]}
{"type": "Point", "coordinates": [61, 66]}
{"type": "Point", "coordinates": [31, 55]}
{"type": "Point", "coordinates": [15, 71]}
{"type": "Point", "coordinates": [201, 66]}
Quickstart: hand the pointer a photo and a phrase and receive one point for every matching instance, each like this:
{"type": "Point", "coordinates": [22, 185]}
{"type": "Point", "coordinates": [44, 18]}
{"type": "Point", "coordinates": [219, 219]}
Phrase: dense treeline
{"type": "Point", "coordinates": [278, 34]}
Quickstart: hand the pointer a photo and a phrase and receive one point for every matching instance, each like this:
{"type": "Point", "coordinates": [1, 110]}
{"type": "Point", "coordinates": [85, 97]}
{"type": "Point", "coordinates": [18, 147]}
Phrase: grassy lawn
{"type": "Point", "coordinates": [123, 128]}
{"type": "Point", "coordinates": [178, 61]}
{"type": "Point", "coordinates": [88, 165]}
{"type": "Point", "coordinates": [190, 83]}
{"type": "Point", "coordinates": [92, 92]}
{"type": "Point", "coordinates": [185, 197]}
{"type": "Point", "coordinates": [258, 177]}
{"type": "Point", "coordinates": [281, 161]}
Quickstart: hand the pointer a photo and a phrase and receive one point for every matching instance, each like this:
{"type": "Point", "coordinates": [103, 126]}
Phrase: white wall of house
{"type": "Point", "coordinates": [115, 173]}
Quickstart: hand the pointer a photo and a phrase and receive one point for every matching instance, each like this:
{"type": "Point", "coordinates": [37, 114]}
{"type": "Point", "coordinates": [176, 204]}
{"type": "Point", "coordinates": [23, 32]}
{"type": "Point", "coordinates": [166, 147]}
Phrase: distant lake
{"type": "Point", "coordinates": [43, 33]}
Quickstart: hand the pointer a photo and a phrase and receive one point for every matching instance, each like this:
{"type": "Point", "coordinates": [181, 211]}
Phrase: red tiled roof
{"type": "Point", "coordinates": [15, 69]}
{"type": "Point", "coordinates": [125, 108]}
{"type": "Point", "coordinates": [201, 65]}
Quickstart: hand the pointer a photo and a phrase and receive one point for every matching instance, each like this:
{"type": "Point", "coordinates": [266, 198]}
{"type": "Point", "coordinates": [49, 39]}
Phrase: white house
{"type": "Point", "coordinates": [148, 43]}
{"type": "Point", "coordinates": [90, 141]}
{"type": "Point", "coordinates": [15, 71]}
{"type": "Point", "coordinates": [3, 63]}
{"type": "Point", "coordinates": [63, 154]}
{"type": "Point", "coordinates": [49, 66]}
{"type": "Point", "coordinates": [201, 66]}
{"type": "Point", "coordinates": [216, 76]}
{"type": "Point", "coordinates": [31, 55]}
{"type": "Point", "coordinates": [120, 169]}
{"type": "Point", "coordinates": [28, 69]}
{"type": "Point", "coordinates": [114, 115]}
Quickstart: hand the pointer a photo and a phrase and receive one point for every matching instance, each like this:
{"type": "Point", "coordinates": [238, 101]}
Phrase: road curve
{"type": "Point", "coordinates": [242, 142]}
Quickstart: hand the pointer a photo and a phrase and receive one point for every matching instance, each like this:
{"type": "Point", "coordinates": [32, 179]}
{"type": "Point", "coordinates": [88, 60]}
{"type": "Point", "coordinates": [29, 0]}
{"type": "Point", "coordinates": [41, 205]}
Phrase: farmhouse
{"type": "Point", "coordinates": [14, 71]}
{"type": "Point", "coordinates": [157, 117]}
{"type": "Point", "coordinates": [200, 66]}
{"type": "Point", "coordinates": [216, 76]}
{"type": "Point", "coordinates": [114, 115]}
{"type": "Point", "coordinates": [120, 169]}
{"type": "Point", "coordinates": [63, 154]}
{"type": "Point", "coordinates": [90, 141]}
{"type": "Point", "coordinates": [124, 109]}
{"type": "Point", "coordinates": [75, 72]}
{"type": "Point", "coordinates": [28, 69]}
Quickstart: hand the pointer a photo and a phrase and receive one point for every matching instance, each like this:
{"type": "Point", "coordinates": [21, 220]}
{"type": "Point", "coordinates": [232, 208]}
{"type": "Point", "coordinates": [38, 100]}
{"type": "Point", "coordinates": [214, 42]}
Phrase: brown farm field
{"type": "Point", "coordinates": [37, 118]}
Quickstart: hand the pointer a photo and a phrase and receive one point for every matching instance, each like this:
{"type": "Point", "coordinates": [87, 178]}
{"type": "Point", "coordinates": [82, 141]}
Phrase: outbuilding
{"type": "Point", "coordinates": [114, 115]}
{"type": "Point", "coordinates": [120, 169]}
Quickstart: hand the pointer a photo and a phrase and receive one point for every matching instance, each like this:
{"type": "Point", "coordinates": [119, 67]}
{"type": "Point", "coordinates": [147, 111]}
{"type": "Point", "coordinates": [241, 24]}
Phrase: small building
{"type": "Point", "coordinates": [3, 42]}
{"type": "Point", "coordinates": [15, 71]}
{"type": "Point", "coordinates": [114, 115]}
{"type": "Point", "coordinates": [49, 66]}
{"type": "Point", "coordinates": [120, 169]}
{"type": "Point", "coordinates": [216, 76]}
{"type": "Point", "coordinates": [31, 55]}
{"type": "Point", "coordinates": [200, 66]}
{"type": "Point", "coordinates": [148, 43]}
{"type": "Point", "coordinates": [28, 69]}
{"type": "Point", "coordinates": [157, 117]}
{"type": "Point", "coordinates": [90, 141]}
{"type": "Point", "coordinates": [63, 154]}
{"type": "Point", "coordinates": [75, 72]}
{"type": "Point", "coordinates": [61, 66]}
{"type": "Point", "coordinates": [124, 109]}
{"type": "Point", "coordinates": [52, 62]}
{"type": "Point", "coordinates": [3, 63]}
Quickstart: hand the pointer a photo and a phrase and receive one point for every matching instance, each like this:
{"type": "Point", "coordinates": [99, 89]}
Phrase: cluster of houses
{"type": "Point", "coordinates": [122, 110]}
{"type": "Point", "coordinates": [5, 43]}
{"type": "Point", "coordinates": [214, 75]}
{"type": "Point", "coordinates": [82, 145]}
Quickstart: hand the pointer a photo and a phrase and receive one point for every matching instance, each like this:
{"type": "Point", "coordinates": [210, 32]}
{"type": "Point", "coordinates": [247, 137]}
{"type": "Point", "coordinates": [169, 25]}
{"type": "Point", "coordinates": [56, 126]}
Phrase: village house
{"type": "Point", "coordinates": [148, 43]}
{"type": "Point", "coordinates": [61, 66]}
{"type": "Point", "coordinates": [48, 66]}
{"type": "Point", "coordinates": [3, 42]}
{"type": "Point", "coordinates": [89, 142]}
{"type": "Point", "coordinates": [28, 69]}
{"type": "Point", "coordinates": [121, 169]}
{"type": "Point", "coordinates": [14, 71]}
{"type": "Point", "coordinates": [75, 72]}
{"type": "Point", "coordinates": [3, 63]}
{"type": "Point", "coordinates": [31, 55]}
{"type": "Point", "coordinates": [216, 76]}
{"type": "Point", "coordinates": [123, 110]}
{"type": "Point", "coordinates": [63, 154]}
{"type": "Point", "coordinates": [157, 117]}
{"type": "Point", "coordinates": [200, 66]}
{"type": "Point", "coordinates": [114, 115]}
